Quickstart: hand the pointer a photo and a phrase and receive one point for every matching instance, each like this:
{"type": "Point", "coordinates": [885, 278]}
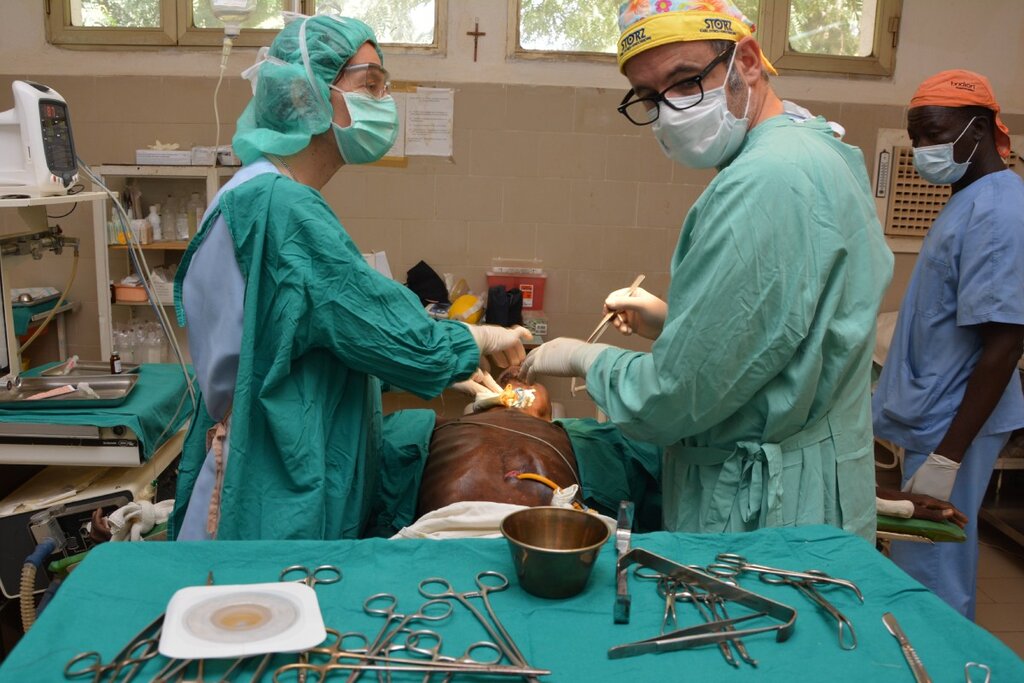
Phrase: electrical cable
{"type": "Point", "coordinates": [56, 307]}
{"type": "Point", "coordinates": [138, 260]}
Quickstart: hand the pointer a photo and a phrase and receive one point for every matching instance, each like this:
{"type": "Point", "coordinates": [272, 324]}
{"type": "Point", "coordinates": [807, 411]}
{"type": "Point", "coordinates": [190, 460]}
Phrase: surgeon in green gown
{"type": "Point", "coordinates": [291, 332]}
{"type": "Point", "coordinates": [758, 379]}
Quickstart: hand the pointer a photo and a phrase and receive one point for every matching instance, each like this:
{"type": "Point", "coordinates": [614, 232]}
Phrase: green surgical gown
{"type": "Point", "coordinates": [758, 386]}
{"type": "Point", "coordinates": [321, 330]}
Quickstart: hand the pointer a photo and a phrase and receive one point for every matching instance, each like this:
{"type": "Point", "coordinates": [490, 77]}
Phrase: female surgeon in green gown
{"type": "Point", "coordinates": [291, 332]}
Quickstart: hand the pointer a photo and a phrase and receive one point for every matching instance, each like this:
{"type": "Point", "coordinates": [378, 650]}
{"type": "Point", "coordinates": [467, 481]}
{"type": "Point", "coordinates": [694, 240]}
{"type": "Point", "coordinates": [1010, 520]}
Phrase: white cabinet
{"type": "Point", "coordinates": [113, 263]}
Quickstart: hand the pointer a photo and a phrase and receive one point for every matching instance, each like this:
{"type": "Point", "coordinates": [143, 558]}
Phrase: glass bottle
{"type": "Point", "coordinates": [115, 363]}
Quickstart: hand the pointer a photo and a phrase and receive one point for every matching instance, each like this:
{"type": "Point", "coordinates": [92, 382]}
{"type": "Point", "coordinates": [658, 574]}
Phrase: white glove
{"type": "Point", "coordinates": [642, 313]}
{"type": "Point", "coordinates": [935, 477]}
{"type": "Point", "coordinates": [503, 344]}
{"type": "Point", "coordinates": [480, 384]}
{"type": "Point", "coordinates": [562, 357]}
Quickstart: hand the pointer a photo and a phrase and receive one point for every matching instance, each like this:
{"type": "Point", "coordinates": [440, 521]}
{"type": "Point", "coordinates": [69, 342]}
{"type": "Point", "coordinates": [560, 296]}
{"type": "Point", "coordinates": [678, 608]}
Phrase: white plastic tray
{"type": "Point", "coordinates": [221, 622]}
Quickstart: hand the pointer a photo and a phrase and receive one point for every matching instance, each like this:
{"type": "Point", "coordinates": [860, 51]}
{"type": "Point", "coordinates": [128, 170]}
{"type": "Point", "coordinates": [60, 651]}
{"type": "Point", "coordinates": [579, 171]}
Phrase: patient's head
{"type": "Point", "coordinates": [541, 406]}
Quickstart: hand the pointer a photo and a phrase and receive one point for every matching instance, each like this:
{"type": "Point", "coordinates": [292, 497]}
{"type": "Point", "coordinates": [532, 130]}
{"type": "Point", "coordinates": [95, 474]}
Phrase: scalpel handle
{"type": "Point", "coordinates": [916, 666]}
{"type": "Point", "coordinates": [909, 653]}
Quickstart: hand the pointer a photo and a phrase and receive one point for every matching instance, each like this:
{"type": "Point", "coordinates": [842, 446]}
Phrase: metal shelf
{"type": "Point", "coordinates": [198, 172]}
{"type": "Point", "coordinates": [1004, 507]}
{"type": "Point", "coordinates": [22, 202]}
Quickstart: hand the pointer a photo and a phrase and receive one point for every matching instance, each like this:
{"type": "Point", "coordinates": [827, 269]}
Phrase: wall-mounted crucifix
{"type": "Point", "coordinates": [476, 33]}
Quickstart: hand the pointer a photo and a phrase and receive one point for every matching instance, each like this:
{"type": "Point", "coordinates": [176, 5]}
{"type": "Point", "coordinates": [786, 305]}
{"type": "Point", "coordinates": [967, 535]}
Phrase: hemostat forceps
{"type": "Point", "coordinates": [806, 586]}
{"type": "Point", "coordinates": [729, 565]}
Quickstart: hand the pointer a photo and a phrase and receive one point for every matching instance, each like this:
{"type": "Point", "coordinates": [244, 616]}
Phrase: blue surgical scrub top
{"type": "Point", "coordinates": [970, 271]}
{"type": "Point", "coordinates": [214, 293]}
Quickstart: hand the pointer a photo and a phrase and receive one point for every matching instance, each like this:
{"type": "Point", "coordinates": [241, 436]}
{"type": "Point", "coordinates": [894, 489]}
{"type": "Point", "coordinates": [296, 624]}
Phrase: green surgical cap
{"type": "Point", "coordinates": [288, 107]}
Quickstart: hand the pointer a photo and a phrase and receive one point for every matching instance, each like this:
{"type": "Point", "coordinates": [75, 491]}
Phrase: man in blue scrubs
{"type": "Point", "coordinates": [950, 392]}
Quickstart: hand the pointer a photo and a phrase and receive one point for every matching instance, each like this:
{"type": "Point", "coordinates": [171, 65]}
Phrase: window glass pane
{"type": "Point", "coordinates": [569, 25]}
{"type": "Point", "coordinates": [749, 9]}
{"type": "Point", "coordinates": [409, 22]}
{"type": "Point", "coordinates": [266, 15]}
{"type": "Point", "coordinates": [582, 25]}
{"type": "Point", "coordinates": [116, 13]}
{"type": "Point", "coordinates": [833, 27]}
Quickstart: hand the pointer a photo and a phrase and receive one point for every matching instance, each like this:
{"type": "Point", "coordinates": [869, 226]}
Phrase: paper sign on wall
{"type": "Point", "coordinates": [429, 122]}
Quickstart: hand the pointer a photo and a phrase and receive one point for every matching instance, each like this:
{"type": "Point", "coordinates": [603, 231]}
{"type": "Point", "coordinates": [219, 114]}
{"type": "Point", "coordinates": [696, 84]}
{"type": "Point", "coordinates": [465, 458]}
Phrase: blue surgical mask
{"type": "Point", "coordinates": [935, 163]}
{"type": "Point", "coordinates": [373, 129]}
{"type": "Point", "coordinates": [705, 135]}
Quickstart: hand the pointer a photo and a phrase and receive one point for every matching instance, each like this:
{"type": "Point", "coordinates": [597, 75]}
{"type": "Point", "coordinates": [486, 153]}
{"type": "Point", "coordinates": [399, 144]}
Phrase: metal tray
{"type": "Point", "coordinates": [89, 368]}
{"type": "Point", "coordinates": [112, 389]}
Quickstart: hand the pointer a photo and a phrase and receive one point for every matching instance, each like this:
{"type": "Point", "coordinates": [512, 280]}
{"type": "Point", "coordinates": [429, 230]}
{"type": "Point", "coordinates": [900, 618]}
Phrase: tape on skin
{"type": "Point", "coordinates": [676, 27]}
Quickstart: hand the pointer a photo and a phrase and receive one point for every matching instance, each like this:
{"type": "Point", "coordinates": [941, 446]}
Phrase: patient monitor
{"type": "Point", "coordinates": [37, 152]}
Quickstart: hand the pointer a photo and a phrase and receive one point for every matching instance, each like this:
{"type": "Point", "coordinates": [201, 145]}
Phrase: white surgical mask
{"type": "Point", "coordinates": [373, 129]}
{"type": "Point", "coordinates": [705, 135]}
{"type": "Point", "coordinates": [935, 163]}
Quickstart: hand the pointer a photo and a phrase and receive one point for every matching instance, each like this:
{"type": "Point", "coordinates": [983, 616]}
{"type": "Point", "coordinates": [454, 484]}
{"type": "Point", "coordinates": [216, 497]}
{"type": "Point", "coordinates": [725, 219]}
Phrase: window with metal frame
{"type": "Point", "coordinates": [836, 36]}
{"type": "Point", "coordinates": [401, 24]}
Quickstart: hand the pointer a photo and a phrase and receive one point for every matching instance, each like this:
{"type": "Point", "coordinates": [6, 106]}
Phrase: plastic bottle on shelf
{"type": "Point", "coordinates": [154, 222]}
{"type": "Point", "coordinates": [181, 221]}
{"type": "Point", "coordinates": [196, 209]}
{"type": "Point", "coordinates": [167, 211]}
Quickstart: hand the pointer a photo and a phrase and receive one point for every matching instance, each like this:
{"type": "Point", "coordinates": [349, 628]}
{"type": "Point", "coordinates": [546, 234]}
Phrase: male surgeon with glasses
{"type": "Point", "coordinates": [291, 332]}
{"type": "Point", "coordinates": [758, 380]}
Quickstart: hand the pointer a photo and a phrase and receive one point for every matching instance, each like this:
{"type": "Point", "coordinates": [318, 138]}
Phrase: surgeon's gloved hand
{"type": "Point", "coordinates": [934, 478]}
{"type": "Point", "coordinates": [480, 384]}
{"type": "Point", "coordinates": [562, 357]}
{"type": "Point", "coordinates": [643, 313]}
{"type": "Point", "coordinates": [503, 344]}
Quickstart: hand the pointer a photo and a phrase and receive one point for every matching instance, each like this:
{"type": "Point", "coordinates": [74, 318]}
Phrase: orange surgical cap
{"type": "Point", "coordinates": [960, 88]}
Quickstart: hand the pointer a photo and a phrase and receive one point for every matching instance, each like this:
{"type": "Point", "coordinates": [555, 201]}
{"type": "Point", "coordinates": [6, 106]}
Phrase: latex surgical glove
{"type": "Point", "coordinates": [934, 478]}
{"type": "Point", "coordinates": [562, 357]}
{"type": "Point", "coordinates": [643, 313]}
{"type": "Point", "coordinates": [503, 344]}
{"type": "Point", "coordinates": [480, 384]}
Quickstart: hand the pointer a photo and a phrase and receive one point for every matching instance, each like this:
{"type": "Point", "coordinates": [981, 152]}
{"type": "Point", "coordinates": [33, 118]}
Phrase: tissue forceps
{"type": "Point", "coordinates": [601, 327]}
{"type": "Point", "coordinates": [730, 565]}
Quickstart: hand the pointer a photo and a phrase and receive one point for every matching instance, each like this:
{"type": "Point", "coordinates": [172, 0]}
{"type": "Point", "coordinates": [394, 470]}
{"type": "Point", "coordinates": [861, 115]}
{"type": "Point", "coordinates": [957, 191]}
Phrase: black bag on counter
{"type": "Point", "coordinates": [504, 307]}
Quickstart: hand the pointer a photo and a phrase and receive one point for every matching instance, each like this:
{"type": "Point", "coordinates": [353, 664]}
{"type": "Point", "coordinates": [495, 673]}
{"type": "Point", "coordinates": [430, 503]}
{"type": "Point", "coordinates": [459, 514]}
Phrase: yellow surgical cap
{"type": "Point", "coordinates": [649, 23]}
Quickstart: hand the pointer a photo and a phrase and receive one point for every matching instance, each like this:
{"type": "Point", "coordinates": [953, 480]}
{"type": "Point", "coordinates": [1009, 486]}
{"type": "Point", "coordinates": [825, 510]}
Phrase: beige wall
{"type": "Point", "coordinates": [539, 171]}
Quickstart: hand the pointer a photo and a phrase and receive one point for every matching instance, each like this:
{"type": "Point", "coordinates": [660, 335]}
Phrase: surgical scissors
{"type": "Point", "coordinates": [138, 651]}
{"type": "Point", "coordinates": [807, 587]}
{"type": "Point", "coordinates": [496, 632]}
{"type": "Point", "coordinates": [325, 574]}
{"type": "Point", "coordinates": [730, 565]}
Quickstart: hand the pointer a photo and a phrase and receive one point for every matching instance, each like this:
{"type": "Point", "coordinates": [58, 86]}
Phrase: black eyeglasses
{"type": "Point", "coordinates": [643, 111]}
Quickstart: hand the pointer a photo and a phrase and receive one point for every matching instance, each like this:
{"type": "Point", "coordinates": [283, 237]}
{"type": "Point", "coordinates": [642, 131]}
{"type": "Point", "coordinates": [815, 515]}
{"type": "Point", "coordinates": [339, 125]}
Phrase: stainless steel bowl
{"type": "Point", "coordinates": [554, 549]}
